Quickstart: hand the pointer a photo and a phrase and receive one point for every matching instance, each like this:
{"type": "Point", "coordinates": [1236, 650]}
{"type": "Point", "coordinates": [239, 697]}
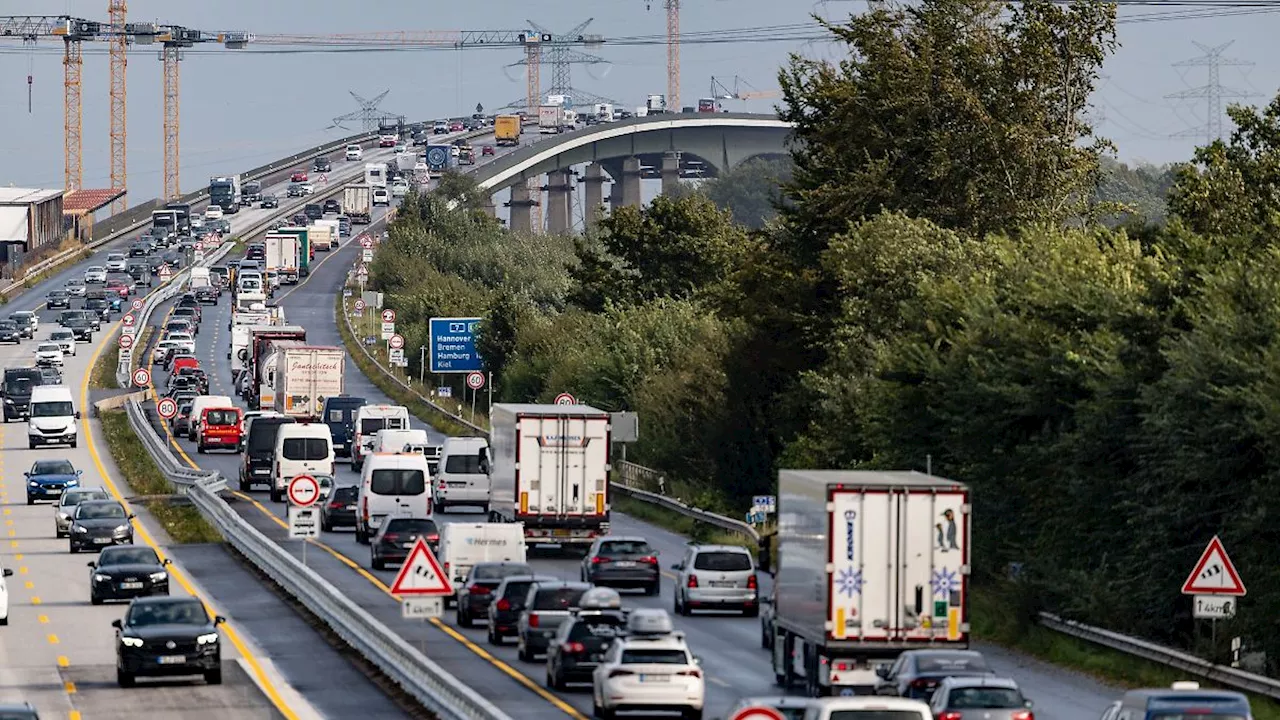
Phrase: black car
{"type": "Point", "coordinates": [139, 250]}
{"type": "Point", "coordinates": [295, 190]}
{"type": "Point", "coordinates": [100, 523]}
{"type": "Point", "coordinates": [617, 561]}
{"type": "Point", "coordinates": [917, 673]}
{"type": "Point", "coordinates": [313, 211]}
{"type": "Point", "coordinates": [332, 206]}
{"type": "Point", "coordinates": [207, 295]}
{"type": "Point", "coordinates": [260, 449]}
{"type": "Point", "coordinates": [181, 382]}
{"type": "Point", "coordinates": [397, 536]}
{"type": "Point", "coordinates": [99, 306]}
{"type": "Point", "coordinates": [339, 414]}
{"type": "Point", "coordinates": [81, 328]}
{"type": "Point", "coordinates": [193, 375]}
{"type": "Point", "coordinates": [126, 571]}
{"type": "Point", "coordinates": [477, 592]}
{"type": "Point", "coordinates": [255, 251]}
{"type": "Point", "coordinates": [187, 313]}
{"type": "Point", "coordinates": [580, 644]}
{"type": "Point", "coordinates": [141, 273]}
{"type": "Point", "coordinates": [189, 300]}
{"type": "Point", "coordinates": [58, 299]}
{"type": "Point", "coordinates": [154, 262]}
{"type": "Point", "coordinates": [340, 509]}
{"type": "Point", "coordinates": [270, 201]}
{"type": "Point", "coordinates": [167, 636]}
{"type": "Point", "coordinates": [322, 164]}
{"type": "Point", "coordinates": [9, 332]}
{"type": "Point", "coordinates": [299, 219]}
{"type": "Point", "coordinates": [508, 603]}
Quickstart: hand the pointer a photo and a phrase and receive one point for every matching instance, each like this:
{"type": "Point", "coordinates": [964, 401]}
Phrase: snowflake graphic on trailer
{"type": "Point", "coordinates": [945, 582]}
{"type": "Point", "coordinates": [849, 582]}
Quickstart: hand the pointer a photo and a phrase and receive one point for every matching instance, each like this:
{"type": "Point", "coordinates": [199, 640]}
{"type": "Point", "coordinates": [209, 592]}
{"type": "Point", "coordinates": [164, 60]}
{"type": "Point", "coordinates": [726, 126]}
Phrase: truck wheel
{"type": "Point", "coordinates": [275, 494]}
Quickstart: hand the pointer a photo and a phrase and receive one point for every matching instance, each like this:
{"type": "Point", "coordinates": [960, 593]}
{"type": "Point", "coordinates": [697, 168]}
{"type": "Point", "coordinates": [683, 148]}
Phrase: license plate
{"type": "Point", "coordinates": [54, 492]}
{"type": "Point", "coordinates": [561, 532]}
{"type": "Point", "coordinates": [171, 659]}
{"type": "Point", "coordinates": [597, 657]}
{"type": "Point", "coordinates": [655, 678]}
{"type": "Point", "coordinates": [625, 563]}
{"type": "Point", "coordinates": [131, 586]}
{"type": "Point", "coordinates": [408, 545]}
{"type": "Point", "coordinates": [723, 584]}
{"type": "Point", "coordinates": [102, 541]}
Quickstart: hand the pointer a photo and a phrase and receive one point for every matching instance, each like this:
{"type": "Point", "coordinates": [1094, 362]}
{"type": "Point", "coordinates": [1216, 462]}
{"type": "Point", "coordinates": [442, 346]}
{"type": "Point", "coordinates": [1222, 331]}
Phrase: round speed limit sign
{"type": "Point", "coordinates": [125, 342]}
{"type": "Point", "coordinates": [475, 380]}
{"type": "Point", "coordinates": [136, 305]}
{"type": "Point", "coordinates": [360, 305]}
{"type": "Point", "coordinates": [141, 377]}
{"type": "Point", "coordinates": [167, 408]}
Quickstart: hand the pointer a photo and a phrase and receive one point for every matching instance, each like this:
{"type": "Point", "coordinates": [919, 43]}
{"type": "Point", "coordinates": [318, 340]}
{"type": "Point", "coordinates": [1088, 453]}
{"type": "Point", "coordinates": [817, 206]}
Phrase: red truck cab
{"type": "Point", "coordinates": [179, 363]}
{"type": "Point", "coordinates": [220, 428]}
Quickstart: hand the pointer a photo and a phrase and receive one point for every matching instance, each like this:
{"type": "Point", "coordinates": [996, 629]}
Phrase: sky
{"type": "Point", "coordinates": [241, 110]}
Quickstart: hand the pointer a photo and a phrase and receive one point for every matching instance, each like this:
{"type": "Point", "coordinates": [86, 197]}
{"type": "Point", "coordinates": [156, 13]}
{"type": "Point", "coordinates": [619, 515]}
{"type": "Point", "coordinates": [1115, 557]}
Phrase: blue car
{"type": "Point", "coordinates": [116, 302]}
{"type": "Point", "coordinates": [48, 479]}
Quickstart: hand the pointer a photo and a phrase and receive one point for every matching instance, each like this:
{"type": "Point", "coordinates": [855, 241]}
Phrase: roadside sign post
{"type": "Point", "coordinates": [141, 377]}
{"type": "Point", "coordinates": [304, 492]}
{"type": "Point", "coordinates": [475, 381]}
{"type": "Point", "coordinates": [1215, 585]}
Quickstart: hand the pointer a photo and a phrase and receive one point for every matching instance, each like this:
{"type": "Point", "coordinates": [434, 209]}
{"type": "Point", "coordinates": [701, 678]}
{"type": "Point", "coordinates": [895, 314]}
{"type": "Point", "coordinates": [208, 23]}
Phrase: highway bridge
{"type": "Point", "coordinates": [57, 650]}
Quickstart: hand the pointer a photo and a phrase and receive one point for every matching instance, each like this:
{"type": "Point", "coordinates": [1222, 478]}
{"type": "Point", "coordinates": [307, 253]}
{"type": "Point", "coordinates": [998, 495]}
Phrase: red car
{"type": "Point", "coordinates": [118, 288]}
{"type": "Point", "coordinates": [456, 126]}
{"type": "Point", "coordinates": [298, 176]}
{"type": "Point", "coordinates": [486, 150]}
{"type": "Point", "coordinates": [386, 141]}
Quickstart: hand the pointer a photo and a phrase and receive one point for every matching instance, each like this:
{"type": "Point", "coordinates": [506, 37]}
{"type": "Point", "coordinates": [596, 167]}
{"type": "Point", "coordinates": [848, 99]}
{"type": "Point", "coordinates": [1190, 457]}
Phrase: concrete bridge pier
{"type": "Point", "coordinates": [631, 172]}
{"type": "Point", "coordinates": [521, 208]}
{"type": "Point", "coordinates": [670, 172]}
{"type": "Point", "coordinates": [489, 207]}
{"type": "Point", "coordinates": [559, 202]}
{"type": "Point", "coordinates": [594, 204]}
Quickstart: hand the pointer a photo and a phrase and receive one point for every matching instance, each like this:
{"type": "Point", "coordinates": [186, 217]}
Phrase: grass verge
{"type": "Point", "coordinates": [183, 523]}
{"type": "Point", "coordinates": [694, 530]}
{"type": "Point", "coordinates": [103, 376]}
{"type": "Point", "coordinates": [391, 388]}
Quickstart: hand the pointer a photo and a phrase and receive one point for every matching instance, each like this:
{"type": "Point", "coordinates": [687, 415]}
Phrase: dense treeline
{"type": "Point", "coordinates": [941, 282]}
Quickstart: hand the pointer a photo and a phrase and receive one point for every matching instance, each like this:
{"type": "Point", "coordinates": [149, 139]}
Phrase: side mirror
{"type": "Point", "coordinates": [117, 624]}
{"type": "Point", "coordinates": [166, 561]}
{"type": "Point", "coordinates": [1029, 704]}
{"type": "Point", "coordinates": [132, 516]}
{"type": "Point", "coordinates": [8, 572]}
{"type": "Point", "coordinates": [77, 414]}
{"type": "Point", "coordinates": [677, 566]}
{"type": "Point", "coordinates": [882, 672]}
{"type": "Point", "coordinates": [79, 472]}
{"type": "Point", "coordinates": [26, 474]}
{"type": "Point", "coordinates": [218, 620]}
{"type": "Point", "coordinates": [92, 564]}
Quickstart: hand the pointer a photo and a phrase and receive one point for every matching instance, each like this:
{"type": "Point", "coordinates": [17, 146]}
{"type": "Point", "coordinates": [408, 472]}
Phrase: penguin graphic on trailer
{"type": "Point", "coordinates": [947, 535]}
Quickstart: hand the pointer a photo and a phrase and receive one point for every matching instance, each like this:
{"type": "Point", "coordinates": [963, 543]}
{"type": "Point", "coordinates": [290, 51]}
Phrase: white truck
{"type": "Point", "coordinates": [304, 376]}
{"type": "Point", "coordinates": [199, 278]}
{"type": "Point", "coordinates": [404, 163]}
{"type": "Point", "coordinates": [284, 256]}
{"type": "Point", "coordinates": [603, 113]}
{"type": "Point", "coordinates": [356, 204]}
{"type": "Point", "coordinates": [656, 104]}
{"type": "Point", "coordinates": [549, 119]}
{"type": "Point", "coordinates": [375, 175]}
{"type": "Point", "coordinates": [463, 544]}
{"type": "Point", "coordinates": [323, 237]}
{"type": "Point", "coordinates": [868, 564]}
{"type": "Point", "coordinates": [548, 468]}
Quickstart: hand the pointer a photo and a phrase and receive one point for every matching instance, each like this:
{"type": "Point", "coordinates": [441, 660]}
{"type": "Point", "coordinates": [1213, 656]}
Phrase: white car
{"type": "Point", "coordinates": [355, 152]}
{"type": "Point", "coordinates": [95, 275]}
{"type": "Point", "coordinates": [49, 353]}
{"type": "Point", "coordinates": [399, 189]}
{"type": "Point", "coordinates": [213, 212]}
{"type": "Point", "coordinates": [651, 668]}
{"type": "Point", "coordinates": [4, 596]}
{"type": "Point", "coordinates": [380, 197]}
{"type": "Point", "coordinates": [308, 188]}
{"type": "Point", "coordinates": [75, 288]}
{"type": "Point", "coordinates": [183, 342]}
{"type": "Point", "coordinates": [161, 350]}
{"type": "Point", "coordinates": [66, 340]}
{"type": "Point", "coordinates": [197, 222]}
{"type": "Point", "coordinates": [116, 262]}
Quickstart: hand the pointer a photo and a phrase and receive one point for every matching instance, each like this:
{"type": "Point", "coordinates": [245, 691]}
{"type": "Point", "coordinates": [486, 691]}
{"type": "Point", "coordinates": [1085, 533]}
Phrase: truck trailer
{"type": "Point", "coordinates": [506, 130]}
{"type": "Point", "coordinates": [869, 564]}
{"type": "Point", "coordinates": [548, 467]}
{"type": "Point", "coordinates": [260, 339]}
{"type": "Point", "coordinates": [356, 204]}
{"type": "Point", "coordinates": [304, 376]}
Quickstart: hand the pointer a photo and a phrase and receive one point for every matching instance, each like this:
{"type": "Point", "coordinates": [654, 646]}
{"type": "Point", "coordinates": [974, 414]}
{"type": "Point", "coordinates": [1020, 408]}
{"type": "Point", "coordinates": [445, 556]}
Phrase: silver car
{"type": "Point", "coordinates": [66, 507]}
{"type": "Point", "coordinates": [545, 607]}
{"type": "Point", "coordinates": [996, 698]}
{"type": "Point", "coordinates": [716, 577]}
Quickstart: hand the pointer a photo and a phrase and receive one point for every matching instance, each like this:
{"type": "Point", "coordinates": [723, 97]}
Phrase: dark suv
{"type": "Point", "coordinates": [16, 391]}
{"type": "Point", "coordinates": [545, 607]}
{"type": "Point", "coordinates": [339, 510]}
{"type": "Point", "coordinates": [260, 449]}
{"type": "Point", "coordinates": [314, 211]}
{"type": "Point", "coordinates": [579, 646]}
{"type": "Point", "coordinates": [339, 414]}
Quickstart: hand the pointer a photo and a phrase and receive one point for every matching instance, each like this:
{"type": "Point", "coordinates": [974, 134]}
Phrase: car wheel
{"type": "Point", "coordinates": [31, 501]}
{"type": "Point", "coordinates": [653, 589]}
{"type": "Point", "coordinates": [73, 443]}
{"type": "Point", "coordinates": [361, 536]}
{"type": "Point", "coordinates": [324, 525]}
{"type": "Point", "coordinates": [523, 653]}
{"type": "Point", "coordinates": [495, 638]}
{"type": "Point", "coordinates": [692, 714]}
{"type": "Point", "coordinates": [124, 679]}
{"type": "Point", "coordinates": [200, 449]}
{"type": "Point", "coordinates": [377, 562]}
{"type": "Point", "coordinates": [275, 495]}
{"type": "Point", "coordinates": [94, 599]}
{"type": "Point", "coordinates": [213, 677]}
{"type": "Point", "coordinates": [751, 611]}
{"type": "Point", "coordinates": [464, 618]}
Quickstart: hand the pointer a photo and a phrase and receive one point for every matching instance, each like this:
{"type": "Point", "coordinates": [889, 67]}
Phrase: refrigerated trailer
{"type": "Point", "coordinates": [869, 564]}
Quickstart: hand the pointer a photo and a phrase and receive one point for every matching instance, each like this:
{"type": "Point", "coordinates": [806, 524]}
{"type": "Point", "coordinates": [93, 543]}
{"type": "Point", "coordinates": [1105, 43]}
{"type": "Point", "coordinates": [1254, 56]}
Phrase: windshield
{"type": "Point", "coordinates": [100, 511]}
{"type": "Point", "coordinates": [128, 556]}
{"type": "Point", "coordinates": [397, 482]}
{"type": "Point", "coordinates": [218, 417]}
{"type": "Point", "coordinates": [420, 526]}
{"type": "Point", "coordinates": [19, 386]}
{"type": "Point", "coordinates": [52, 409]}
{"type": "Point", "coordinates": [53, 467]}
{"type": "Point", "coordinates": [183, 612]}
{"type": "Point", "coordinates": [75, 498]}
{"type": "Point", "coordinates": [722, 561]}
{"type": "Point", "coordinates": [655, 656]}
{"type": "Point", "coordinates": [977, 698]}
{"type": "Point", "coordinates": [306, 449]}
{"type": "Point", "coordinates": [463, 465]}
{"type": "Point", "coordinates": [950, 662]}
{"type": "Point", "coordinates": [262, 434]}
{"type": "Point", "coordinates": [557, 598]}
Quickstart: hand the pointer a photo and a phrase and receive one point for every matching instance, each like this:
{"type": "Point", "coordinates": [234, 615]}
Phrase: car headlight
{"type": "Point", "coordinates": [79, 529]}
{"type": "Point", "coordinates": [63, 516]}
{"type": "Point", "coordinates": [207, 639]}
{"type": "Point", "coordinates": [99, 577]}
{"type": "Point", "coordinates": [8, 401]}
{"type": "Point", "coordinates": [159, 576]}
{"type": "Point", "coordinates": [33, 484]}
{"type": "Point", "coordinates": [73, 482]}
{"type": "Point", "coordinates": [123, 528]}
{"type": "Point", "coordinates": [131, 641]}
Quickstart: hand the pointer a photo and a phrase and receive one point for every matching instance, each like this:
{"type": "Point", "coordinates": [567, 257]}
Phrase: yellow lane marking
{"type": "Point", "coordinates": [73, 715]}
{"type": "Point", "coordinates": [140, 531]}
{"type": "Point", "coordinates": [53, 639]}
{"type": "Point", "coordinates": [63, 661]}
{"type": "Point", "coordinates": [70, 687]}
{"type": "Point", "coordinates": [30, 585]}
{"type": "Point", "coordinates": [13, 543]}
{"type": "Point", "coordinates": [35, 599]}
{"type": "Point", "coordinates": [44, 619]}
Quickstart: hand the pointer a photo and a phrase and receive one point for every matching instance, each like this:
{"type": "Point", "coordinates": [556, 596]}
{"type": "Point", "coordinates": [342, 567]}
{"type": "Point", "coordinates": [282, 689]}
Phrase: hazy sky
{"type": "Point", "coordinates": [240, 110]}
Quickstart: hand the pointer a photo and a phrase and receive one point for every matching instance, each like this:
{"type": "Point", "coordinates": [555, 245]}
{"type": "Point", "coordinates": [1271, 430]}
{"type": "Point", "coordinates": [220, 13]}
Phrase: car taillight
{"type": "Point", "coordinates": [335, 505]}
{"type": "Point", "coordinates": [1023, 715]}
{"type": "Point", "coordinates": [949, 716]}
{"type": "Point", "coordinates": [692, 672]}
{"type": "Point", "coordinates": [575, 648]}
{"type": "Point", "coordinates": [504, 604]}
{"type": "Point", "coordinates": [752, 583]}
{"type": "Point", "coordinates": [923, 684]}
{"type": "Point", "coordinates": [693, 581]}
{"type": "Point", "coordinates": [533, 620]}
{"type": "Point", "coordinates": [364, 510]}
{"type": "Point", "coordinates": [620, 673]}
{"type": "Point", "coordinates": [390, 537]}
{"type": "Point", "coordinates": [479, 590]}
{"type": "Point", "coordinates": [649, 560]}
{"type": "Point", "coordinates": [597, 560]}
{"type": "Point", "coordinates": [433, 538]}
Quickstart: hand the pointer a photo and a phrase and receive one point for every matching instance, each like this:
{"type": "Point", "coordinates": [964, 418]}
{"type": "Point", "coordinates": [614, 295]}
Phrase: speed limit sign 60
{"type": "Point", "coordinates": [141, 377]}
{"type": "Point", "coordinates": [475, 380]}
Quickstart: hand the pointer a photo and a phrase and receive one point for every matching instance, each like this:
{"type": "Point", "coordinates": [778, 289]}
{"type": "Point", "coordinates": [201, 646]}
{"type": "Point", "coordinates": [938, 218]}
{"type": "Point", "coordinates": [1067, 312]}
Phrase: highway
{"type": "Point", "coordinates": [729, 645]}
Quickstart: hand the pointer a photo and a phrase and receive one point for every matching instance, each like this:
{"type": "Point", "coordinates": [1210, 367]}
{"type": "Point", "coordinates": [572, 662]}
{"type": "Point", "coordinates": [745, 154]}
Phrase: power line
{"type": "Point", "coordinates": [1212, 92]}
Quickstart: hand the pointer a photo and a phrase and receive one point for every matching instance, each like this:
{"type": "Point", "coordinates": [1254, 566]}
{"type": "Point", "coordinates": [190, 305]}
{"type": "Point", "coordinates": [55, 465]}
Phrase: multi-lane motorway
{"type": "Point", "coordinates": [307, 667]}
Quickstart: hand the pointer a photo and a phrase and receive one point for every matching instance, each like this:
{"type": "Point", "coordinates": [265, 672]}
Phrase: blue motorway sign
{"type": "Point", "coordinates": [453, 345]}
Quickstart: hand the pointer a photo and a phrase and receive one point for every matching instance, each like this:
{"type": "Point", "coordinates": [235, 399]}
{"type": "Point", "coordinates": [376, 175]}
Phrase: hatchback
{"type": "Point", "coordinates": [617, 561]}
{"type": "Point", "coordinates": [916, 673]}
{"type": "Point", "coordinates": [508, 603]}
{"type": "Point", "coordinates": [545, 607]}
{"type": "Point", "coordinates": [477, 590]}
{"type": "Point", "coordinates": [397, 537]}
{"type": "Point", "coordinates": [340, 510]}
{"type": "Point", "coordinates": [716, 577]}
{"type": "Point", "coordinates": [996, 698]}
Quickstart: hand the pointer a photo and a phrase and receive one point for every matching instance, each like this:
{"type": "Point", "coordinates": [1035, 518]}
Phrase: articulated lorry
{"type": "Point", "coordinates": [224, 191]}
{"type": "Point", "coordinates": [868, 564]}
{"type": "Point", "coordinates": [260, 339]}
{"type": "Point", "coordinates": [304, 376]}
{"type": "Point", "coordinates": [283, 255]}
{"type": "Point", "coordinates": [548, 467]}
{"type": "Point", "coordinates": [550, 119]}
{"type": "Point", "coordinates": [356, 204]}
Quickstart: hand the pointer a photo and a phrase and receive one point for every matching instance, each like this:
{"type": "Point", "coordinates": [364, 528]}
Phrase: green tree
{"type": "Point", "coordinates": [1142, 191]}
{"type": "Point", "coordinates": [499, 332]}
{"type": "Point", "coordinates": [750, 192]}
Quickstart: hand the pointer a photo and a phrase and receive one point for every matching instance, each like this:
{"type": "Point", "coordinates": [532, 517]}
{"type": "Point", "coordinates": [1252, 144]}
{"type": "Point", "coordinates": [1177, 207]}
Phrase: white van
{"type": "Point", "coordinates": [392, 485]}
{"type": "Point", "coordinates": [301, 449]}
{"type": "Point", "coordinates": [396, 440]}
{"type": "Point", "coordinates": [368, 421]}
{"type": "Point", "coordinates": [462, 545]}
{"type": "Point", "coordinates": [53, 417]}
{"type": "Point", "coordinates": [459, 479]}
{"type": "Point", "coordinates": [199, 405]}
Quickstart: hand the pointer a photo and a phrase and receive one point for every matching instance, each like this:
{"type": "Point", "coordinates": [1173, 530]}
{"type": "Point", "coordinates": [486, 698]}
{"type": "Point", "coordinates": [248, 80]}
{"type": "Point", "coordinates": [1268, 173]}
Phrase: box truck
{"type": "Point", "coordinates": [356, 204]}
{"type": "Point", "coordinates": [868, 564]}
{"type": "Point", "coordinates": [224, 191]}
{"type": "Point", "coordinates": [304, 376]}
{"type": "Point", "coordinates": [506, 130]}
{"type": "Point", "coordinates": [548, 467]}
{"type": "Point", "coordinates": [549, 119]}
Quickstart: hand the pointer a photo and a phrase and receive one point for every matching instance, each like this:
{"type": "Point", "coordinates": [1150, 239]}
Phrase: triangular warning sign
{"type": "Point", "coordinates": [1214, 574]}
{"type": "Point", "coordinates": [421, 574]}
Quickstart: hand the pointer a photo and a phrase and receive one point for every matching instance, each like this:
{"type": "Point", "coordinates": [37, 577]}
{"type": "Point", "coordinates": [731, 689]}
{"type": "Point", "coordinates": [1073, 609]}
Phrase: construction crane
{"type": "Point", "coordinates": [118, 11]}
{"type": "Point", "coordinates": [74, 32]}
{"type": "Point", "coordinates": [722, 91]}
{"type": "Point", "coordinates": [673, 51]}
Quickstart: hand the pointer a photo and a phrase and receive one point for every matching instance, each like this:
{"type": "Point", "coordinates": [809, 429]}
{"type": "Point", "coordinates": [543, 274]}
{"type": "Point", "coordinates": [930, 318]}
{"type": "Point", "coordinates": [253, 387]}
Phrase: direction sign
{"type": "Point", "coordinates": [453, 345]}
{"type": "Point", "coordinates": [396, 342]}
{"type": "Point", "coordinates": [1214, 574]}
{"type": "Point", "coordinates": [475, 380]}
{"type": "Point", "coordinates": [421, 574]}
{"type": "Point", "coordinates": [421, 608]}
{"type": "Point", "coordinates": [304, 522]}
{"type": "Point", "coordinates": [388, 315]}
{"type": "Point", "coordinates": [127, 320]}
{"type": "Point", "coordinates": [366, 242]}
{"type": "Point", "coordinates": [757, 713]}
{"type": "Point", "coordinates": [359, 306]}
{"type": "Point", "coordinates": [566, 399]}
{"type": "Point", "coordinates": [167, 408]}
{"type": "Point", "coordinates": [1213, 607]}
{"type": "Point", "coordinates": [136, 305]}
{"type": "Point", "coordinates": [304, 491]}
{"type": "Point", "coordinates": [125, 341]}
{"type": "Point", "coordinates": [142, 377]}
